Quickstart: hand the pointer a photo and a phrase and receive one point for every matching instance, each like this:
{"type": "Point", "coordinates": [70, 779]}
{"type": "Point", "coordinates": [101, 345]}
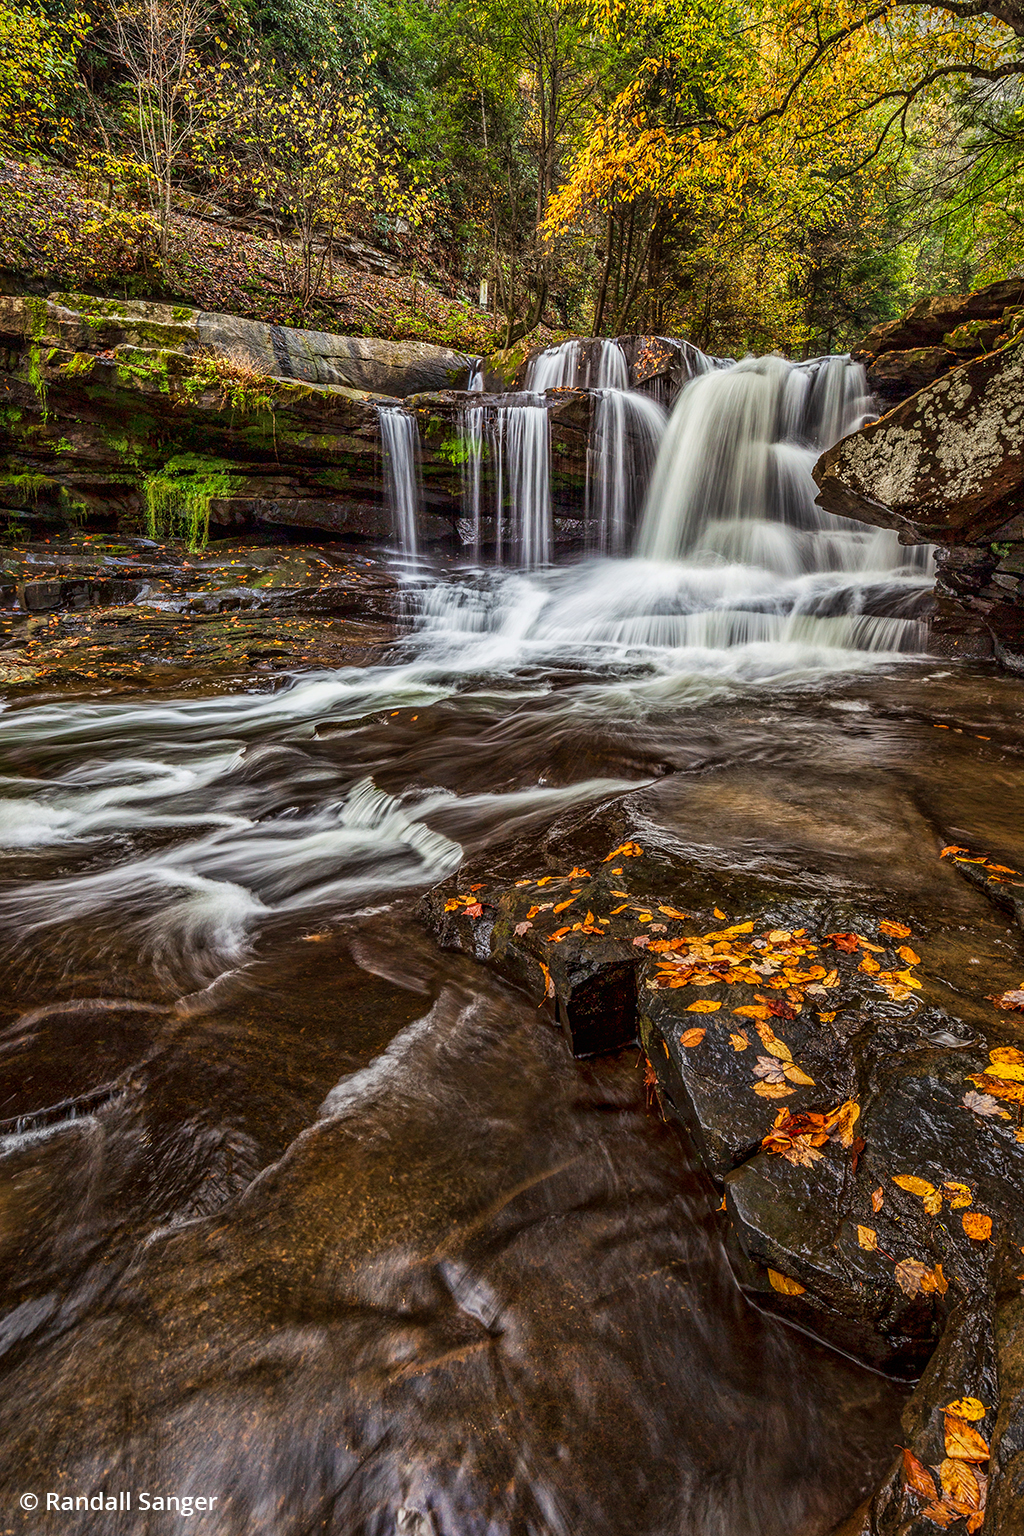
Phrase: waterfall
{"type": "Point", "coordinates": [624, 439]}
{"type": "Point", "coordinates": [733, 478]}
{"type": "Point", "coordinates": [471, 438]}
{"type": "Point", "coordinates": [594, 364]}
{"type": "Point", "coordinates": [522, 435]}
{"type": "Point", "coordinates": [402, 488]}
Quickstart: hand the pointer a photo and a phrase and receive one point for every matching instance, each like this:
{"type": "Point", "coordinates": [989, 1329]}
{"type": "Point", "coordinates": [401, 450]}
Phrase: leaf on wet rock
{"type": "Point", "coordinates": [522, 928]}
{"type": "Point", "coordinates": [913, 1185]}
{"type": "Point", "coordinates": [984, 1104]}
{"type": "Point", "coordinates": [474, 909]}
{"type": "Point", "coordinates": [740, 1041]}
{"type": "Point", "coordinates": [977, 1226]}
{"type": "Point", "coordinates": [549, 986]}
{"type": "Point", "coordinates": [970, 1408]}
{"type": "Point", "coordinates": [909, 1276]}
{"type": "Point", "coordinates": [826, 1018]}
{"type": "Point", "coordinates": [561, 905]}
{"type": "Point", "coordinates": [671, 912]}
{"type": "Point", "coordinates": [958, 1195]}
{"type": "Point", "coordinates": [784, 1285]}
{"type": "Point", "coordinates": [1007, 1063]}
{"type": "Point", "coordinates": [951, 849]}
{"type": "Point", "coordinates": [893, 930]}
{"type": "Point", "coordinates": [773, 1090]}
{"type": "Point", "coordinates": [842, 1122]}
{"type": "Point", "coordinates": [797, 1075]}
{"type": "Point", "coordinates": [877, 1199]}
{"type": "Point", "coordinates": [906, 953]}
{"type": "Point", "coordinates": [704, 1005]}
{"type": "Point", "coordinates": [626, 851]}
{"type": "Point", "coordinates": [771, 1041]}
{"type": "Point", "coordinates": [959, 1483]}
{"type": "Point", "coordinates": [940, 1514]}
{"type": "Point", "coordinates": [770, 1069]}
{"type": "Point", "coordinates": [847, 942]}
{"type": "Point", "coordinates": [752, 1011]}
{"type": "Point", "coordinates": [1010, 1000]}
{"type": "Point", "coordinates": [578, 874]}
{"type": "Point", "coordinates": [867, 1237]}
{"type": "Point", "coordinates": [917, 1476]}
{"type": "Point", "coordinates": [998, 1087]}
{"type": "Point", "coordinates": [720, 914]}
{"type": "Point", "coordinates": [963, 1442]}
{"type": "Point", "coordinates": [692, 1037]}
{"type": "Point", "coordinates": [869, 965]}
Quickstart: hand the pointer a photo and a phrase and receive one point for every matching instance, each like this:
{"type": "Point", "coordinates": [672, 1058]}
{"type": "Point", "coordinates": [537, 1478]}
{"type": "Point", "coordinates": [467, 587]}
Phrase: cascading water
{"type": "Point", "coordinates": [401, 449]}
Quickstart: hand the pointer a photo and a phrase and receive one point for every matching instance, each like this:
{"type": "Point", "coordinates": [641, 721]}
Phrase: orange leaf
{"type": "Point", "coordinates": [906, 953]}
{"type": "Point", "coordinates": [952, 848]}
{"type": "Point", "coordinates": [704, 1005]}
{"type": "Point", "coordinates": [940, 1514]}
{"type": "Point", "coordinates": [962, 1442]}
{"type": "Point", "coordinates": [977, 1226]}
{"type": "Point", "coordinates": [772, 1044]}
{"type": "Point", "coordinates": [842, 1121]}
{"type": "Point", "coordinates": [894, 930]}
{"type": "Point", "coordinates": [917, 1476]}
{"type": "Point", "coordinates": [719, 914]}
{"type": "Point", "coordinates": [753, 1011]}
{"type": "Point", "coordinates": [970, 1408]}
{"type": "Point", "coordinates": [797, 1075]}
{"type": "Point", "coordinates": [627, 850]}
{"type": "Point", "coordinates": [958, 1195]}
{"type": "Point", "coordinates": [739, 1042]}
{"type": "Point", "coordinates": [692, 1037]}
{"type": "Point", "coordinates": [784, 1285]}
{"type": "Point", "coordinates": [773, 1090]}
{"type": "Point", "coordinates": [877, 1199]}
{"type": "Point", "coordinates": [561, 905]}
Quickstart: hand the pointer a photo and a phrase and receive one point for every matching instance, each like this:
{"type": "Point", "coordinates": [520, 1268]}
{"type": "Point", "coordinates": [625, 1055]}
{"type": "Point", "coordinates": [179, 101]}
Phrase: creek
{"type": "Point", "coordinates": [303, 1212]}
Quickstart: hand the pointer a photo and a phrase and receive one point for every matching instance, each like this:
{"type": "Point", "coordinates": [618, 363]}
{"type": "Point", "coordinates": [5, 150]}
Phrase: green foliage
{"type": "Point", "coordinates": [178, 498]}
{"type": "Point", "coordinates": [40, 87]}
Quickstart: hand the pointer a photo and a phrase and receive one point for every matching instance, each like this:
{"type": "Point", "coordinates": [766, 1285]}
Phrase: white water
{"type": "Point", "coordinates": [402, 488]}
{"type": "Point", "coordinates": [739, 585]}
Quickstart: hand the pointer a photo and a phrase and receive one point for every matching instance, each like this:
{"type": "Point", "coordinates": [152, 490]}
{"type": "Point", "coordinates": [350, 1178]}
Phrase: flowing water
{"type": "Point", "coordinates": [303, 1213]}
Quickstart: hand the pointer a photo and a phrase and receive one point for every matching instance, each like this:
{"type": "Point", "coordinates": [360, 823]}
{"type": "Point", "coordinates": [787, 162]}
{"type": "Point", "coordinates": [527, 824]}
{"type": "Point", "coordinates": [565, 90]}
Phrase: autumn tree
{"type": "Point", "coordinates": [310, 146]}
{"type": "Point", "coordinates": [155, 43]}
{"type": "Point", "coordinates": [39, 80]}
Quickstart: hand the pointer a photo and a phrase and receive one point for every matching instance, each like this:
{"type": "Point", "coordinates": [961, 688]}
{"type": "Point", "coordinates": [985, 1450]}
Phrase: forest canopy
{"type": "Point", "coordinates": [776, 173]}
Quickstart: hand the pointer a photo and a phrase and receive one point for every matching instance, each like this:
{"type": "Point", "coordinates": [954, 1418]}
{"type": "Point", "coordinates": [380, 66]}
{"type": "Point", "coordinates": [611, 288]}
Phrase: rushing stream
{"type": "Point", "coordinates": [303, 1213]}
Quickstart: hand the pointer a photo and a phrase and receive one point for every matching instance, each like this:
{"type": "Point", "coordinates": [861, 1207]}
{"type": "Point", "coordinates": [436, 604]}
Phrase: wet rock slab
{"type": "Point", "coordinates": [867, 1142]}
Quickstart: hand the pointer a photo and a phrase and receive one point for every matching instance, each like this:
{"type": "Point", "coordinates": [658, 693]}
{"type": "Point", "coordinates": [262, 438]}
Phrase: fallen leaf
{"type": "Point", "coordinates": [906, 953]}
{"type": "Point", "coordinates": [522, 928]}
{"type": "Point", "coordinates": [1007, 1055]}
{"type": "Point", "coordinates": [933, 1203]}
{"type": "Point", "coordinates": [578, 874]}
{"type": "Point", "coordinates": [826, 1018]}
{"type": "Point", "coordinates": [958, 1195]}
{"type": "Point", "coordinates": [1008, 1000]}
{"type": "Point", "coordinates": [549, 986]}
{"type": "Point", "coordinates": [877, 1199]}
{"type": "Point", "coordinates": [913, 1185]}
{"type": "Point", "coordinates": [935, 1280]}
{"type": "Point", "coordinates": [671, 912]}
{"type": "Point", "coordinates": [784, 1285]}
{"type": "Point", "coordinates": [952, 849]}
{"type": "Point", "coordinates": [771, 1041]}
{"type": "Point", "coordinates": [962, 1442]}
{"type": "Point", "coordinates": [847, 942]}
{"type": "Point", "coordinates": [474, 909]}
{"type": "Point", "coordinates": [627, 850]}
{"type": "Point", "coordinates": [773, 1090]}
{"type": "Point", "coordinates": [984, 1104]}
{"type": "Point", "coordinates": [917, 1476]}
{"type": "Point", "coordinates": [842, 1122]}
{"type": "Point", "coordinates": [797, 1075]}
{"type": "Point", "coordinates": [704, 1005]}
{"type": "Point", "coordinates": [977, 1520]}
{"type": "Point", "coordinates": [770, 1069]}
{"type": "Point", "coordinates": [970, 1408]}
{"type": "Point", "coordinates": [867, 1237]}
{"type": "Point", "coordinates": [977, 1226]}
{"type": "Point", "coordinates": [893, 930]}
{"type": "Point", "coordinates": [868, 965]}
{"type": "Point", "coordinates": [691, 1037]}
{"type": "Point", "coordinates": [752, 1011]}
{"type": "Point", "coordinates": [739, 1042]}
{"type": "Point", "coordinates": [561, 905]}
{"type": "Point", "coordinates": [719, 914]}
{"type": "Point", "coordinates": [909, 1275]}
{"type": "Point", "coordinates": [940, 1514]}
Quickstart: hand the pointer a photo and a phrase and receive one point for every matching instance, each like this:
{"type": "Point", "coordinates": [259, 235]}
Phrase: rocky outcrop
{"type": "Point", "coordinates": [902, 356]}
{"type": "Point", "coordinates": [107, 406]}
{"type": "Point", "coordinates": [946, 467]}
{"type": "Point", "coordinates": [863, 1137]}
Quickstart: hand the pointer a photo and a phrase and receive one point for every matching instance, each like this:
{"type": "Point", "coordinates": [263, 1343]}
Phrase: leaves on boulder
{"type": "Point", "coordinates": [913, 1278]}
{"type": "Point", "coordinates": [970, 1408]}
{"type": "Point", "coordinates": [740, 1041]}
{"type": "Point", "coordinates": [877, 1199]}
{"type": "Point", "coordinates": [704, 1005]}
{"type": "Point", "coordinates": [867, 1237]}
{"type": "Point", "coordinates": [917, 1476]}
{"type": "Point", "coordinates": [692, 1037]}
{"type": "Point", "coordinates": [784, 1285]}
{"type": "Point", "coordinates": [977, 1226]}
{"type": "Point", "coordinates": [625, 851]}
{"type": "Point", "coordinates": [893, 930]}
{"type": "Point", "coordinates": [962, 1441]}
{"type": "Point", "coordinates": [984, 1104]}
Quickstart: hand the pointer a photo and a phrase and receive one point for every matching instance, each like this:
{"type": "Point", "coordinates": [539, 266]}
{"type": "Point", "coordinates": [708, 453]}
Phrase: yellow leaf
{"type": "Point", "coordinates": [959, 1483]}
{"type": "Point", "coordinates": [958, 1195]}
{"type": "Point", "coordinates": [977, 1226]}
{"type": "Point", "coordinates": [752, 1011]}
{"type": "Point", "coordinates": [795, 1075]}
{"type": "Point", "coordinates": [1006, 1071]}
{"type": "Point", "coordinates": [913, 1185]}
{"type": "Point", "coordinates": [894, 930]}
{"type": "Point", "coordinates": [719, 914]}
{"type": "Point", "coordinates": [906, 953]}
{"type": "Point", "coordinates": [772, 1044]}
{"type": "Point", "coordinates": [970, 1408]}
{"type": "Point", "coordinates": [933, 1203]}
{"type": "Point", "coordinates": [692, 1037]}
{"type": "Point", "coordinates": [784, 1285]}
{"type": "Point", "coordinates": [704, 1005]}
{"type": "Point", "coordinates": [962, 1442]}
{"type": "Point", "coordinates": [772, 1090]}
{"type": "Point", "coordinates": [867, 1237]}
{"type": "Point", "coordinates": [739, 1042]}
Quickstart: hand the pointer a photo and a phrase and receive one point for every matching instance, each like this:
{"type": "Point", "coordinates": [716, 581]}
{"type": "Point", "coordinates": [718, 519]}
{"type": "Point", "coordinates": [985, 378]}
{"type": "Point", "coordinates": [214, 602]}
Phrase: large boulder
{"type": "Point", "coordinates": [901, 356]}
{"type": "Point", "coordinates": [945, 467]}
